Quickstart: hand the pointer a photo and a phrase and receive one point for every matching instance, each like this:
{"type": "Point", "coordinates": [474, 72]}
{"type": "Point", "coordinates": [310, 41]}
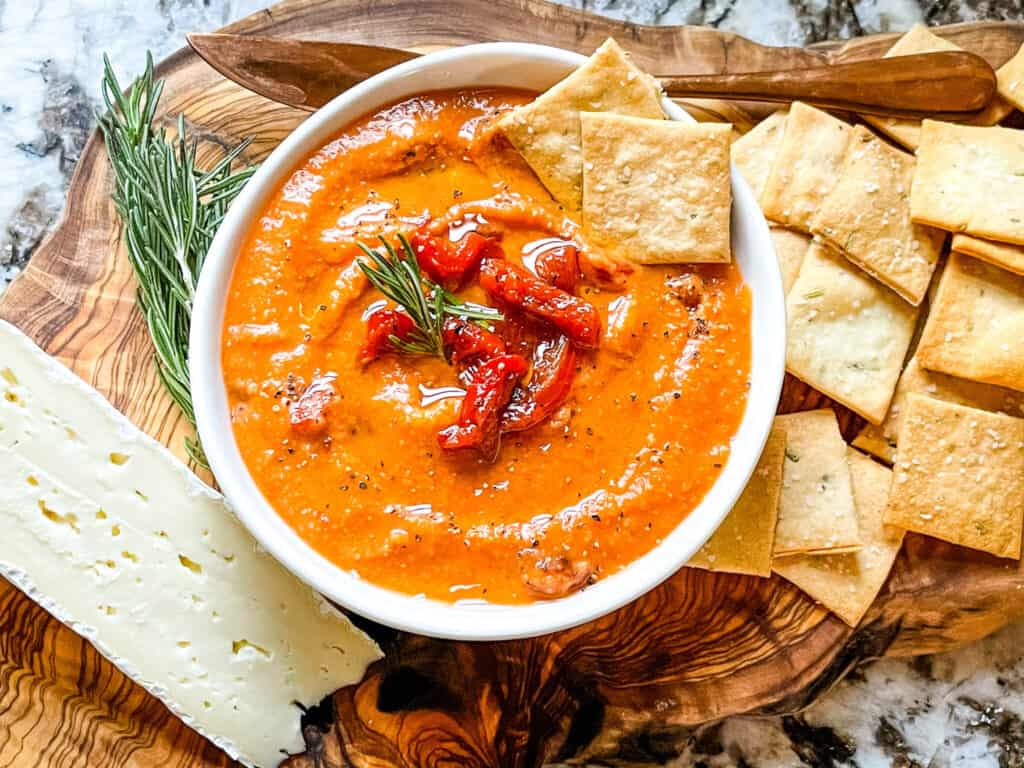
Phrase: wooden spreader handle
{"type": "Point", "coordinates": [949, 83]}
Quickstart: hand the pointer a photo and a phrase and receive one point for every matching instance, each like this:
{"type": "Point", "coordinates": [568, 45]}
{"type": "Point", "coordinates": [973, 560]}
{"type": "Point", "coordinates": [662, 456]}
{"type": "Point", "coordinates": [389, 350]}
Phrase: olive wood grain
{"type": "Point", "coordinates": [699, 647]}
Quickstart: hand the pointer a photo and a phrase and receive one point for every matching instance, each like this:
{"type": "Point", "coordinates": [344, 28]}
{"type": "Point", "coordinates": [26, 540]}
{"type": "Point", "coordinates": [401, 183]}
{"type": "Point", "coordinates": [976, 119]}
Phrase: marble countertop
{"type": "Point", "coordinates": [957, 709]}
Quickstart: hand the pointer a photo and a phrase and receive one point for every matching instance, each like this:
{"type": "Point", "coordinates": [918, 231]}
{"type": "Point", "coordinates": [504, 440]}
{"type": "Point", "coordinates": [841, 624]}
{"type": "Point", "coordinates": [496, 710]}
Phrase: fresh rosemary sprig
{"type": "Point", "coordinates": [170, 210]}
{"type": "Point", "coordinates": [398, 276]}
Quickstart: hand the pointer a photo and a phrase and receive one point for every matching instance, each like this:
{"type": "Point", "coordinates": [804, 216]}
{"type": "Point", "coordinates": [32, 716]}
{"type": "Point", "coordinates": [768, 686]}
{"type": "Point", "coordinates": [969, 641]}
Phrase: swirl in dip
{"type": "Point", "coordinates": [637, 434]}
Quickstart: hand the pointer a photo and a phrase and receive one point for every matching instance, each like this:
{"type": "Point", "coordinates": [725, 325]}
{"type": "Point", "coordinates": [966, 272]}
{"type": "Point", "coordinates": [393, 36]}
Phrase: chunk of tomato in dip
{"type": "Point", "coordinates": [613, 461]}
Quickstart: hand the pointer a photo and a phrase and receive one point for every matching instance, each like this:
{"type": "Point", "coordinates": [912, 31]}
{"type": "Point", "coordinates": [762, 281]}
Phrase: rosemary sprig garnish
{"type": "Point", "coordinates": [170, 210]}
{"type": "Point", "coordinates": [398, 276]}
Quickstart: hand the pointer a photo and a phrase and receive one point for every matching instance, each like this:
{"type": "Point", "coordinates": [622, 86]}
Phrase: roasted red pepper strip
{"type": "Point", "coordinates": [487, 394]}
{"type": "Point", "coordinates": [447, 263]}
{"type": "Point", "coordinates": [559, 266]}
{"type": "Point", "coordinates": [380, 327]}
{"type": "Point", "coordinates": [308, 414]}
{"type": "Point", "coordinates": [467, 340]}
{"type": "Point", "coordinates": [554, 367]}
{"type": "Point", "coordinates": [518, 288]}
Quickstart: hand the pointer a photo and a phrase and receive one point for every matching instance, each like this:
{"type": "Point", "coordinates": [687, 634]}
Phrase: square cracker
{"type": "Point", "coordinates": [848, 584]}
{"type": "Point", "coordinates": [970, 180]}
{"type": "Point", "coordinates": [848, 335]}
{"type": "Point", "coordinates": [816, 511]}
{"type": "Point", "coordinates": [882, 440]}
{"type": "Point", "coordinates": [753, 153]}
{"type": "Point", "coordinates": [908, 132]}
{"type": "Point", "coordinates": [744, 541]}
{"type": "Point", "coordinates": [546, 132]}
{"type": "Point", "coordinates": [866, 217]}
{"type": "Point", "coordinates": [790, 249]}
{"type": "Point", "coordinates": [975, 327]}
{"type": "Point", "coordinates": [806, 166]}
{"type": "Point", "coordinates": [1010, 80]}
{"type": "Point", "coordinates": [959, 476]}
{"type": "Point", "coordinates": [1003, 255]}
{"type": "Point", "coordinates": [657, 190]}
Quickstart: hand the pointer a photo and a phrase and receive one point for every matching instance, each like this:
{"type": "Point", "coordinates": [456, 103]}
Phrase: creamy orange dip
{"type": "Point", "coordinates": [641, 437]}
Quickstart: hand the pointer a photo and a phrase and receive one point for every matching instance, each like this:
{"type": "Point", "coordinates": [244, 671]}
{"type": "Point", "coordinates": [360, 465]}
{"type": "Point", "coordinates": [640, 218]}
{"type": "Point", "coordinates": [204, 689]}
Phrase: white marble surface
{"type": "Point", "coordinates": [960, 709]}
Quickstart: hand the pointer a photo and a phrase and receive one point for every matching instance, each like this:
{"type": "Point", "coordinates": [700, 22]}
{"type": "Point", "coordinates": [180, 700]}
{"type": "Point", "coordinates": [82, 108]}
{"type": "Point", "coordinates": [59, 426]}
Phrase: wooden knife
{"type": "Point", "coordinates": [307, 74]}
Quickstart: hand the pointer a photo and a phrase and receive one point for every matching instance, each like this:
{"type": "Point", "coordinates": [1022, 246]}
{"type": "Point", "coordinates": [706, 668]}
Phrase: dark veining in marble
{"type": "Point", "coordinates": [892, 742]}
{"type": "Point", "coordinates": [166, 8]}
{"type": "Point", "coordinates": [1005, 731]}
{"type": "Point", "coordinates": [64, 127]}
{"type": "Point", "coordinates": [953, 11]}
{"type": "Point", "coordinates": [838, 19]}
{"type": "Point", "coordinates": [817, 746]}
{"type": "Point", "coordinates": [707, 12]}
{"type": "Point", "coordinates": [818, 20]}
{"type": "Point", "coordinates": [66, 121]}
{"type": "Point", "coordinates": [27, 227]}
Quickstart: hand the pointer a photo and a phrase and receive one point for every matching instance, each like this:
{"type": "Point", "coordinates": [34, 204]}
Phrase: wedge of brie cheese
{"type": "Point", "coordinates": [114, 536]}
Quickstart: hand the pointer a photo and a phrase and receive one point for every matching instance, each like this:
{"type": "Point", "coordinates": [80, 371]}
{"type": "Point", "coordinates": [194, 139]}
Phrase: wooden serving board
{"type": "Point", "coordinates": [700, 647]}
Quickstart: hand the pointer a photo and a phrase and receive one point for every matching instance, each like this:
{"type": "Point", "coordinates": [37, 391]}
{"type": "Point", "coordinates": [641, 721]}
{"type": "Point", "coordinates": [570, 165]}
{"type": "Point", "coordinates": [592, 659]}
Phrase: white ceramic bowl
{"type": "Point", "coordinates": [489, 64]}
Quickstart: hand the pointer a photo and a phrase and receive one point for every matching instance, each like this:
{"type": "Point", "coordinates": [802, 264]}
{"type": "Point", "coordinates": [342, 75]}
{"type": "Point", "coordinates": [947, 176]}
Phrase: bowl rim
{"type": "Point", "coordinates": [755, 255]}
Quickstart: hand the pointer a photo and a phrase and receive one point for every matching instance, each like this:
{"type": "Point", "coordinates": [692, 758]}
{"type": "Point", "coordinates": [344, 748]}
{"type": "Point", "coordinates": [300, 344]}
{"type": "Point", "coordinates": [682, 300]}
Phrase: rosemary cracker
{"type": "Point", "coordinates": [848, 584]}
{"type": "Point", "coordinates": [816, 511]}
{"type": "Point", "coordinates": [546, 132]}
{"type": "Point", "coordinates": [881, 440]}
{"type": "Point", "coordinates": [658, 190]}
{"type": "Point", "coordinates": [959, 476]}
{"type": "Point", "coordinates": [790, 249]}
{"type": "Point", "coordinates": [754, 152]}
{"type": "Point", "coordinates": [866, 217]}
{"type": "Point", "coordinates": [744, 541]}
{"type": "Point", "coordinates": [975, 327]}
{"type": "Point", "coordinates": [970, 180]}
{"type": "Point", "coordinates": [848, 334]}
{"type": "Point", "coordinates": [908, 132]}
{"type": "Point", "coordinates": [806, 166]}
{"type": "Point", "coordinates": [1003, 255]}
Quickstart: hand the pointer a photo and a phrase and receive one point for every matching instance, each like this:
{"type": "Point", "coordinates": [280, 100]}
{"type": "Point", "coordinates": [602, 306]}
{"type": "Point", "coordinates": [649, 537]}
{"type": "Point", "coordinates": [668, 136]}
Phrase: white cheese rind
{"type": "Point", "coordinates": [109, 532]}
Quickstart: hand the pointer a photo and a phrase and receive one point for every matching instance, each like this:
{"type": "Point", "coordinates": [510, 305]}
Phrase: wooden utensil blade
{"type": "Point", "coordinates": [305, 74]}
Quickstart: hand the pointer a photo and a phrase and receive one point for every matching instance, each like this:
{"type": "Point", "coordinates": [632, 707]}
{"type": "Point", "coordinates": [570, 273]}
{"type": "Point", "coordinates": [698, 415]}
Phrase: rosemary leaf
{"type": "Point", "coordinates": [398, 276]}
{"type": "Point", "coordinates": [170, 210]}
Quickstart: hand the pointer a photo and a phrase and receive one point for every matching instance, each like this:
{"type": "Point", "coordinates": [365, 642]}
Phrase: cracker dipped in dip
{"type": "Point", "coordinates": [451, 378]}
